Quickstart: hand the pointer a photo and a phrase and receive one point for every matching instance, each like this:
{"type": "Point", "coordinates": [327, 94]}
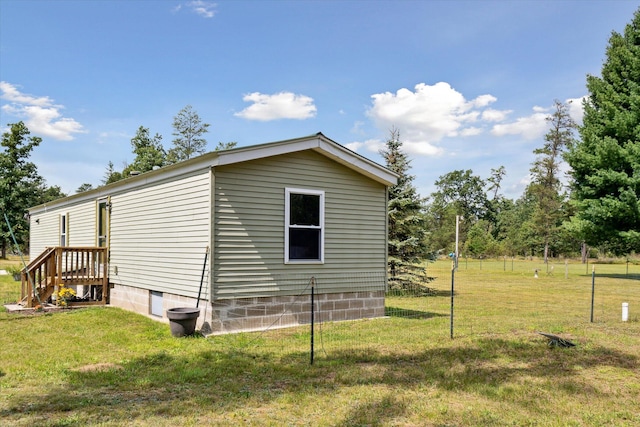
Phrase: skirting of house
{"type": "Point", "coordinates": [255, 314]}
{"type": "Point", "coordinates": [140, 301]}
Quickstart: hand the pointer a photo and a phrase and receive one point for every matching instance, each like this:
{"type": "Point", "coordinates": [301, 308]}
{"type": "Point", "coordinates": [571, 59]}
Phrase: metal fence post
{"type": "Point", "coordinates": [313, 286]}
{"type": "Point", "coordinates": [453, 274]}
{"type": "Point", "coordinates": [593, 289]}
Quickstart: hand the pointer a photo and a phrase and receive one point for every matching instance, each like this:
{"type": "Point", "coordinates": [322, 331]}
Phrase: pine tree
{"type": "Point", "coordinates": [407, 233]}
{"type": "Point", "coordinates": [148, 150]}
{"type": "Point", "coordinates": [111, 175]}
{"type": "Point", "coordinates": [606, 162]}
{"type": "Point", "coordinates": [546, 186]}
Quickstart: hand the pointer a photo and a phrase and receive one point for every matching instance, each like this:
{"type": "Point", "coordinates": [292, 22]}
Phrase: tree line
{"type": "Point", "coordinates": [598, 210]}
{"type": "Point", "coordinates": [150, 154]}
{"type": "Point", "coordinates": [21, 186]}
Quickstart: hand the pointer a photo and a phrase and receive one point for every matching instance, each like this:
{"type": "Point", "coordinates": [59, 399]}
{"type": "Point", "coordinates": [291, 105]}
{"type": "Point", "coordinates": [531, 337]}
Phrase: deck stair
{"type": "Point", "coordinates": [79, 267]}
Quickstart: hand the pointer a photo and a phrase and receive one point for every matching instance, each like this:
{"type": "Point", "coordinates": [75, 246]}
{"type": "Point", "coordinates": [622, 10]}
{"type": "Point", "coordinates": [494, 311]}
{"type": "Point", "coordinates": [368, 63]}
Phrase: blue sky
{"type": "Point", "coordinates": [467, 83]}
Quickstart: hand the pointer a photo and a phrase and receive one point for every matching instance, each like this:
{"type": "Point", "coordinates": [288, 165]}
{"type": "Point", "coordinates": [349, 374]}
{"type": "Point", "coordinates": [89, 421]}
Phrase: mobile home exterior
{"type": "Point", "coordinates": [275, 219]}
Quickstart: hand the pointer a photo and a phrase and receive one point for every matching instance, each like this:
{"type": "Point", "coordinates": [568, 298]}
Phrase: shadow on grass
{"type": "Point", "coordinates": [375, 413]}
{"type": "Point", "coordinates": [619, 276]}
{"type": "Point", "coordinates": [406, 313]}
{"type": "Point", "coordinates": [216, 382]}
{"type": "Point", "coordinates": [432, 294]}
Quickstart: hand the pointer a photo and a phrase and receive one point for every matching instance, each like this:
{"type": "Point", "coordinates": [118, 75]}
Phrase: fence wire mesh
{"type": "Point", "coordinates": [498, 296]}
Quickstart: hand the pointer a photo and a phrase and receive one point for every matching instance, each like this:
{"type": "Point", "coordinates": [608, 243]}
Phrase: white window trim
{"type": "Point", "coordinates": [64, 229]}
{"type": "Point", "coordinates": [287, 208]}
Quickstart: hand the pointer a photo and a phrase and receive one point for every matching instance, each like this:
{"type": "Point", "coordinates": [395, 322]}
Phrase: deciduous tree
{"type": "Point", "coordinates": [458, 193]}
{"type": "Point", "coordinates": [188, 132]}
{"type": "Point", "coordinates": [20, 184]}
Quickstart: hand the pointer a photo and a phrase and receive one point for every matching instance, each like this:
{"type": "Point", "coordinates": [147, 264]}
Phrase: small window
{"type": "Point", "coordinates": [63, 229]}
{"type": "Point", "coordinates": [103, 222]}
{"type": "Point", "coordinates": [304, 225]}
{"type": "Point", "coordinates": [155, 303]}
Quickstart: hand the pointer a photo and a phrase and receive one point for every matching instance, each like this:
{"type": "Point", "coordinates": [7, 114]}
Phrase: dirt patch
{"type": "Point", "coordinates": [98, 367]}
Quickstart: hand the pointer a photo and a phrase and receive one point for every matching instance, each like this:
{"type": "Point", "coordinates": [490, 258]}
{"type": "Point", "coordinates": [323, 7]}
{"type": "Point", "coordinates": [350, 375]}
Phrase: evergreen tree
{"type": "Point", "coordinates": [148, 150]}
{"type": "Point", "coordinates": [188, 133]}
{"type": "Point", "coordinates": [516, 229]}
{"type": "Point", "coordinates": [84, 187]}
{"type": "Point", "coordinates": [49, 194]}
{"type": "Point", "coordinates": [480, 242]}
{"type": "Point", "coordinates": [546, 186]}
{"type": "Point", "coordinates": [606, 162]}
{"type": "Point", "coordinates": [111, 174]}
{"type": "Point", "coordinates": [225, 145]}
{"type": "Point", "coordinates": [407, 232]}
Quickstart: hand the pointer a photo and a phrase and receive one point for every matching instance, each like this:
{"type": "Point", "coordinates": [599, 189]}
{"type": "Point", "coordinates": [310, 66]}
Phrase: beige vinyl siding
{"type": "Point", "coordinates": [43, 233]}
{"type": "Point", "coordinates": [249, 226]}
{"type": "Point", "coordinates": [159, 234]}
{"type": "Point", "coordinates": [80, 227]}
{"type": "Point", "coordinates": [81, 224]}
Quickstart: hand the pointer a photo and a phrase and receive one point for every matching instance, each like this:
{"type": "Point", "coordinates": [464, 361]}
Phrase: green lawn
{"type": "Point", "coordinates": [104, 366]}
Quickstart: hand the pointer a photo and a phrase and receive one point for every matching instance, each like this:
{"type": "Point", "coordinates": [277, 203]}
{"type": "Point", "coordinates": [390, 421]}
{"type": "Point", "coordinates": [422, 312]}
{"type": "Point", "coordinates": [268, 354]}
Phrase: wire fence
{"type": "Point", "coordinates": [498, 296]}
{"type": "Point", "coordinates": [533, 294]}
{"type": "Point", "coordinates": [554, 267]}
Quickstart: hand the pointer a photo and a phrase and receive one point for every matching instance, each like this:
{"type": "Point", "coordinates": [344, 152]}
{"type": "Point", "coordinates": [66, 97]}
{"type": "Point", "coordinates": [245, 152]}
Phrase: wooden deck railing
{"type": "Point", "coordinates": [69, 266]}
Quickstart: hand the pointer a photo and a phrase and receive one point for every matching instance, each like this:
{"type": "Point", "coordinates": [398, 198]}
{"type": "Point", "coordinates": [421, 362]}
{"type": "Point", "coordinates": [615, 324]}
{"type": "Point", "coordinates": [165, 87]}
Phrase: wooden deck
{"type": "Point", "coordinates": [84, 269]}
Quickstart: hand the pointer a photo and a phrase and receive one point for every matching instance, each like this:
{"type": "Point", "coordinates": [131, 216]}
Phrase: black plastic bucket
{"type": "Point", "coordinates": [182, 320]}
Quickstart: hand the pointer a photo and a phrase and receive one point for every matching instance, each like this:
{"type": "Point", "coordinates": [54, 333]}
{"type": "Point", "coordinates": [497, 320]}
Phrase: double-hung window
{"type": "Point", "coordinates": [304, 226]}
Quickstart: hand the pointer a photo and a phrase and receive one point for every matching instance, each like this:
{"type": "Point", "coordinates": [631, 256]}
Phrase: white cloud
{"type": "Point", "coordinates": [535, 125]}
{"type": "Point", "coordinates": [12, 94]}
{"type": "Point", "coordinates": [576, 111]}
{"type": "Point", "coordinates": [358, 128]}
{"type": "Point", "coordinates": [283, 105]}
{"type": "Point", "coordinates": [376, 145]}
{"type": "Point", "coordinates": [484, 100]}
{"type": "Point", "coordinates": [430, 113]}
{"type": "Point", "coordinates": [422, 148]}
{"type": "Point", "coordinates": [530, 127]}
{"type": "Point", "coordinates": [471, 131]}
{"type": "Point", "coordinates": [370, 145]}
{"type": "Point", "coordinates": [491, 115]}
{"type": "Point", "coordinates": [354, 146]}
{"type": "Point", "coordinates": [206, 9]}
{"type": "Point", "coordinates": [40, 114]}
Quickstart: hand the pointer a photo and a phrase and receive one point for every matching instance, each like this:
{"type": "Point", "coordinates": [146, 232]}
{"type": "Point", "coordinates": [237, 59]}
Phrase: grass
{"type": "Point", "coordinates": [105, 366]}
